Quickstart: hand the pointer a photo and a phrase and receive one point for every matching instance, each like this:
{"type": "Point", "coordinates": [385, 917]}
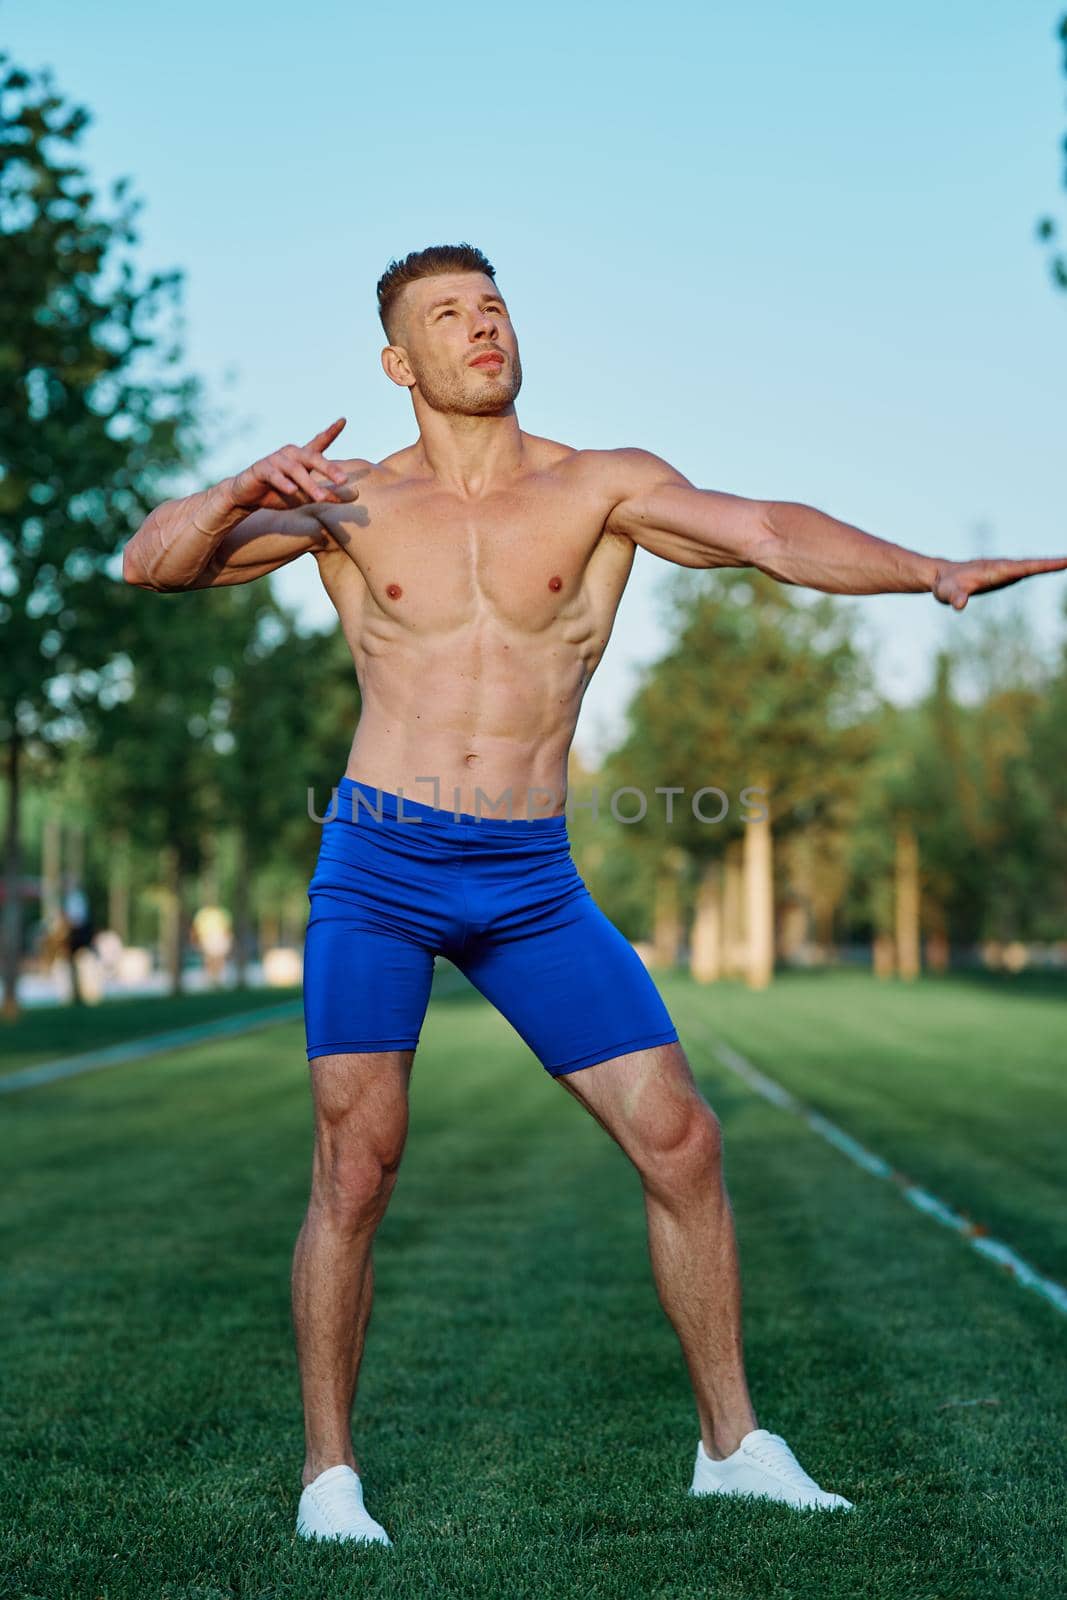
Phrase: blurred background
{"type": "Point", "coordinates": [797, 254]}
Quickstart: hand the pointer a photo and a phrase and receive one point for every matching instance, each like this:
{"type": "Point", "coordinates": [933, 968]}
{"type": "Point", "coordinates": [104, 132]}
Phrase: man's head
{"type": "Point", "coordinates": [443, 314]}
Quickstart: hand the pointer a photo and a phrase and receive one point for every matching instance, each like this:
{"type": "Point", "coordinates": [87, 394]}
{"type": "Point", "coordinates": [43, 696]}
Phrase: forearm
{"type": "Point", "coordinates": [176, 541]}
{"type": "Point", "coordinates": [805, 546]}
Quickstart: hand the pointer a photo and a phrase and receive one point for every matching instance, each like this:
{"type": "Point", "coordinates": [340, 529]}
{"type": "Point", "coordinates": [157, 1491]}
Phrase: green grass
{"type": "Point", "coordinates": [959, 1082]}
{"type": "Point", "coordinates": [524, 1421]}
{"type": "Point", "coordinates": [45, 1033]}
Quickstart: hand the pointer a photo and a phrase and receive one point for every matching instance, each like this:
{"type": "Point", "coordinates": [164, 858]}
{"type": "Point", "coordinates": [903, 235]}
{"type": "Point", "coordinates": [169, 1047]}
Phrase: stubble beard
{"type": "Point", "coordinates": [473, 394]}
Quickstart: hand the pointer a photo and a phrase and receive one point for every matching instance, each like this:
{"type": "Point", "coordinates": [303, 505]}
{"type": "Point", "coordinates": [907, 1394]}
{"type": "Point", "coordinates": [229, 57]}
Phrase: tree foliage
{"type": "Point", "coordinates": [979, 781]}
{"type": "Point", "coordinates": [1049, 231]}
{"type": "Point", "coordinates": [94, 421]}
{"type": "Point", "coordinates": [759, 688]}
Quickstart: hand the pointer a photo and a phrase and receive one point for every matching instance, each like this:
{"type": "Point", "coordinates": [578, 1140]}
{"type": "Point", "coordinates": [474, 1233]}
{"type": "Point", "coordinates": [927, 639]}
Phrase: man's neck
{"type": "Point", "coordinates": [469, 456]}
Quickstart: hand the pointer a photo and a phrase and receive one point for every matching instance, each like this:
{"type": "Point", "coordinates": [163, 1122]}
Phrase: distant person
{"type": "Point", "coordinates": [77, 934]}
{"type": "Point", "coordinates": [476, 574]}
{"type": "Point", "coordinates": [213, 932]}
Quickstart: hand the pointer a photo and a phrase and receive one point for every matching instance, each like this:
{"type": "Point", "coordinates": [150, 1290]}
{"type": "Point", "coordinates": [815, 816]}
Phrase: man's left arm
{"type": "Point", "coordinates": [663, 512]}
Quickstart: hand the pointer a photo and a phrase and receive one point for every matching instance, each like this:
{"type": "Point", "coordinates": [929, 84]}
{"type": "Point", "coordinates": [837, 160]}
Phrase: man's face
{"type": "Point", "coordinates": [450, 329]}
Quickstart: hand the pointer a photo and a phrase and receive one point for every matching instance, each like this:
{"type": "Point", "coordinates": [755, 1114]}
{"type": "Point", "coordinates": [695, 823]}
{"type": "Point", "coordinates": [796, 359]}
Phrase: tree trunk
{"type": "Point", "coordinates": [118, 887]}
{"type": "Point", "coordinates": [76, 855]}
{"type": "Point", "coordinates": [824, 915]}
{"type": "Point", "coordinates": [268, 932]}
{"type": "Point", "coordinates": [795, 931]}
{"type": "Point", "coordinates": [733, 910]}
{"type": "Point", "coordinates": [907, 903]}
{"type": "Point", "coordinates": [759, 903]}
{"type": "Point", "coordinates": [938, 948]}
{"type": "Point", "coordinates": [705, 947]}
{"type": "Point", "coordinates": [242, 917]}
{"type": "Point", "coordinates": [12, 875]}
{"type": "Point", "coordinates": [173, 918]}
{"type": "Point", "coordinates": [884, 955]}
{"type": "Point", "coordinates": [667, 923]}
{"type": "Point", "coordinates": [51, 869]}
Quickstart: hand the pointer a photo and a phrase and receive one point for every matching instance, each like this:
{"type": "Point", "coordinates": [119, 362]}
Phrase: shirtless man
{"type": "Point", "coordinates": [476, 574]}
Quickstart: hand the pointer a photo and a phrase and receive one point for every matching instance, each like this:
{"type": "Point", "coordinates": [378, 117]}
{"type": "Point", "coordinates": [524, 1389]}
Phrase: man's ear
{"type": "Point", "coordinates": [395, 364]}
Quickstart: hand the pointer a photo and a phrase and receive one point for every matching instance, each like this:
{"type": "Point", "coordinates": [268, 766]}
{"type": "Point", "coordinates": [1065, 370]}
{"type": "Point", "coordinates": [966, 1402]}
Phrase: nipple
{"type": "Point", "coordinates": [555, 583]}
{"type": "Point", "coordinates": [394, 591]}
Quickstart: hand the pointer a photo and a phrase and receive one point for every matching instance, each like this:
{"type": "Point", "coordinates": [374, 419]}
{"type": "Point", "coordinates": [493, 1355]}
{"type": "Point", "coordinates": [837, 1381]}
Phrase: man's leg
{"type": "Point", "coordinates": [576, 991]}
{"type": "Point", "coordinates": [652, 1108]}
{"type": "Point", "coordinates": [361, 1122]}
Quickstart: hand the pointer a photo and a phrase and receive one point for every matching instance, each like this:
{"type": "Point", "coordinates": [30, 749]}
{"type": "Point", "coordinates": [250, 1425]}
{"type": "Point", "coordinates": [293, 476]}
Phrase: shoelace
{"type": "Point", "coordinates": [776, 1455]}
{"type": "Point", "coordinates": [331, 1504]}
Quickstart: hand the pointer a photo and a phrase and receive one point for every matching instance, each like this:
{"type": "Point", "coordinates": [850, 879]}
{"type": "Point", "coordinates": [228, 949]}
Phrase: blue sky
{"type": "Point", "coordinates": [788, 248]}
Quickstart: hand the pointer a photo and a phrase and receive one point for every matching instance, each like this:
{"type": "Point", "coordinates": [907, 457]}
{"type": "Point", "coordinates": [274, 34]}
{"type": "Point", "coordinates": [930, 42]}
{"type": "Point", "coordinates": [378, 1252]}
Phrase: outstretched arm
{"type": "Point", "coordinates": [663, 512]}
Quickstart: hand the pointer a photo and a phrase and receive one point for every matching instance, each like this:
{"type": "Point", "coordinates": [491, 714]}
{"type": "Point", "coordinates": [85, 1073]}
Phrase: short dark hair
{"type": "Point", "coordinates": [428, 263]}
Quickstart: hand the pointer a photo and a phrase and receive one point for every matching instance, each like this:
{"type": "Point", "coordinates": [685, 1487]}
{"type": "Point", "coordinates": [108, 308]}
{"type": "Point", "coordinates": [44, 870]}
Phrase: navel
{"type": "Point", "coordinates": [555, 583]}
{"type": "Point", "coordinates": [394, 591]}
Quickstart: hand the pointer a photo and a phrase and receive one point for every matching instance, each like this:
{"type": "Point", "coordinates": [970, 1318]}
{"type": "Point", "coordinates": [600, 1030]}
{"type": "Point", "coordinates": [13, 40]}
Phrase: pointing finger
{"type": "Point", "coordinates": [328, 435]}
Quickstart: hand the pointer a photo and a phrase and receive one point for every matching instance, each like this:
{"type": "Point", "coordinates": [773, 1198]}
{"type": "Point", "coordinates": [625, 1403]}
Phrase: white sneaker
{"type": "Point", "coordinates": [331, 1507]}
{"type": "Point", "coordinates": [763, 1465]}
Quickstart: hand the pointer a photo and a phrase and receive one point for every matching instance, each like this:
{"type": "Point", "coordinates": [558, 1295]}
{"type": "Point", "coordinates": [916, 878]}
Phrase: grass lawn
{"type": "Point", "coordinates": [44, 1033]}
{"type": "Point", "coordinates": [524, 1421]}
{"type": "Point", "coordinates": [960, 1082]}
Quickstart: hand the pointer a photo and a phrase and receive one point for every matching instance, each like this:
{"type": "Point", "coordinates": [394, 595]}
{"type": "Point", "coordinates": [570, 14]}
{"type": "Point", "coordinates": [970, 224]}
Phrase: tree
{"type": "Point", "coordinates": [1048, 231]}
{"type": "Point", "coordinates": [93, 422]}
{"type": "Point", "coordinates": [1050, 741]}
{"type": "Point", "coordinates": [227, 716]}
{"type": "Point", "coordinates": [973, 784]}
{"type": "Point", "coordinates": [158, 749]}
{"type": "Point", "coordinates": [762, 689]}
{"type": "Point", "coordinates": [293, 707]}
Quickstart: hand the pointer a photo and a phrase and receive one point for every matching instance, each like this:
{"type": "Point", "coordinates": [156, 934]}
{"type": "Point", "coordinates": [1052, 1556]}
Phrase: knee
{"type": "Point", "coordinates": [353, 1178]}
{"type": "Point", "coordinates": [687, 1154]}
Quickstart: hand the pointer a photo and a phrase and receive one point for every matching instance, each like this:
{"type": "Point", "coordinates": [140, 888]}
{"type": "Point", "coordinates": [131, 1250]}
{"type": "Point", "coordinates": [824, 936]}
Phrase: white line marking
{"type": "Point", "coordinates": [116, 1055]}
{"type": "Point", "coordinates": [155, 1044]}
{"type": "Point", "coordinates": [1055, 1293]}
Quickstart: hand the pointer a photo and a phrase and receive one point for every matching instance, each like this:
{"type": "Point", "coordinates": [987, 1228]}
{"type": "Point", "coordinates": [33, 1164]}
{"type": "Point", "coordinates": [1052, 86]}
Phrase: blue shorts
{"type": "Point", "coordinates": [500, 898]}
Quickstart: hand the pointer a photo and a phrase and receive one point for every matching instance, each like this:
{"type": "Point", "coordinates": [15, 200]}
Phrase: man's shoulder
{"type": "Point", "coordinates": [606, 480]}
{"type": "Point", "coordinates": [365, 472]}
{"type": "Point", "coordinates": [624, 469]}
{"type": "Point", "coordinates": [615, 473]}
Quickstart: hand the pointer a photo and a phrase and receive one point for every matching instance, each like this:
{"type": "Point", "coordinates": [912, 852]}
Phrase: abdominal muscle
{"type": "Point", "coordinates": [474, 635]}
{"type": "Point", "coordinates": [477, 719]}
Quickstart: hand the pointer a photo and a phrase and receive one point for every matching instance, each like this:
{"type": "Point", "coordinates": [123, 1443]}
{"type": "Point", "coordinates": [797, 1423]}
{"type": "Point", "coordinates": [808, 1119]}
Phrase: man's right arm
{"type": "Point", "coordinates": [241, 528]}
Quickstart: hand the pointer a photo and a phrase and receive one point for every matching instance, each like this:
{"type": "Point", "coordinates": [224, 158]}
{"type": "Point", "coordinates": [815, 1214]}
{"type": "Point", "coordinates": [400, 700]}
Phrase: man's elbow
{"type": "Point", "coordinates": [767, 537]}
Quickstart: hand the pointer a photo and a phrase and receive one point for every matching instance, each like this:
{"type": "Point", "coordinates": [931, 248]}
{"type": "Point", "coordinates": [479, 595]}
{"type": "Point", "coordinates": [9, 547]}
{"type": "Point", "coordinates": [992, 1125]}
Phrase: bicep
{"type": "Point", "coordinates": [263, 542]}
{"type": "Point", "coordinates": [664, 513]}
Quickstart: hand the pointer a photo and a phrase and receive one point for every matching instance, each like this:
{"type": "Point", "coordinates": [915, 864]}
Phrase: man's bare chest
{"type": "Point", "coordinates": [524, 557]}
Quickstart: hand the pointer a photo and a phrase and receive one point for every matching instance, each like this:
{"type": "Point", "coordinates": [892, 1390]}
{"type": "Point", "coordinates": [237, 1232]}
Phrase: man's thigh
{"type": "Point", "coordinates": [570, 983]}
{"type": "Point", "coordinates": [646, 1100]}
{"type": "Point", "coordinates": [366, 990]}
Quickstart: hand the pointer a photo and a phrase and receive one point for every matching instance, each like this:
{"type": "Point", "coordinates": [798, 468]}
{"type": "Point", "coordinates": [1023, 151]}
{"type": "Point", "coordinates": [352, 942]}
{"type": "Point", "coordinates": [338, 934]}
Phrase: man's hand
{"type": "Point", "coordinates": [956, 581]}
{"type": "Point", "coordinates": [243, 527]}
{"type": "Point", "coordinates": [282, 480]}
